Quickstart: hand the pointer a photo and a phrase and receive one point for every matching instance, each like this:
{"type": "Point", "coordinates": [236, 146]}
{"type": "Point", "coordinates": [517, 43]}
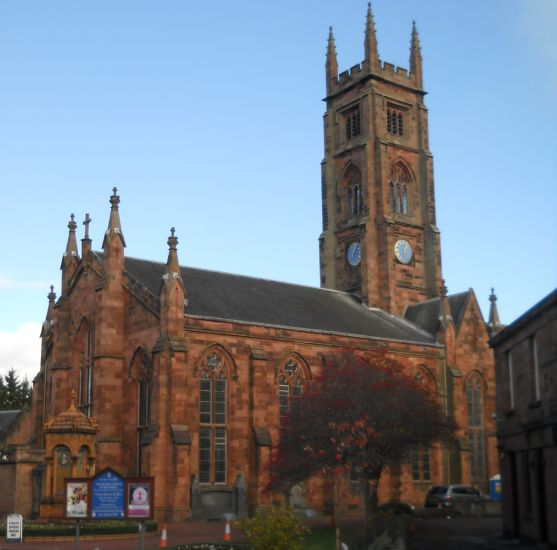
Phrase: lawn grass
{"type": "Point", "coordinates": [323, 538]}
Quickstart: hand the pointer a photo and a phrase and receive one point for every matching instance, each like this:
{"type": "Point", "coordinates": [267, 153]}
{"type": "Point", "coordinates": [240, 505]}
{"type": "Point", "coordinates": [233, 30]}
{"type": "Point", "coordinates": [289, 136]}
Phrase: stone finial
{"type": "Point", "coordinates": [86, 223]}
{"type": "Point", "coordinates": [86, 241]}
{"type": "Point", "coordinates": [443, 291]}
{"type": "Point", "coordinates": [371, 58]}
{"type": "Point", "coordinates": [51, 295]}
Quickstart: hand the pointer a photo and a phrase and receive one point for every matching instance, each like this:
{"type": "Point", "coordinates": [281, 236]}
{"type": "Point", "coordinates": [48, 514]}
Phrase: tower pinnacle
{"type": "Point", "coordinates": [494, 324]}
{"type": "Point", "coordinates": [444, 307]}
{"type": "Point", "coordinates": [371, 59]}
{"type": "Point", "coordinates": [70, 259]}
{"type": "Point", "coordinates": [172, 293]}
{"type": "Point", "coordinates": [114, 226]}
{"type": "Point", "coordinates": [172, 264]}
{"type": "Point", "coordinates": [331, 65]}
{"type": "Point", "coordinates": [416, 57]}
{"type": "Point", "coordinates": [71, 246]}
{"type": "Point", "coordinates": [51, 300]}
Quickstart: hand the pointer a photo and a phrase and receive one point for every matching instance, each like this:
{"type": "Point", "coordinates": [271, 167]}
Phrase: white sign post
{"type": "Point", "coordinates": [14, 528]}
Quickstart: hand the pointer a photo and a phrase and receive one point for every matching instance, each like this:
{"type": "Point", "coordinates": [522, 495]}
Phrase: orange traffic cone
{"type": "Point", "coordinates": [164, 540]}
{"type": "Point", "coordinates": [227, 533]}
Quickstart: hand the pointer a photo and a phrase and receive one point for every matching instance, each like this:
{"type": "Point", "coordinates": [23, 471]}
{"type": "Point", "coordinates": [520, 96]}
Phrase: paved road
{"type": "Point", "coordinates": [463, 534]}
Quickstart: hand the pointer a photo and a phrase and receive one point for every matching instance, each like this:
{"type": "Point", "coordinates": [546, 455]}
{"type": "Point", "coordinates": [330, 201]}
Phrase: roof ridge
{"type": "Point", "coordinates": [438, 298]}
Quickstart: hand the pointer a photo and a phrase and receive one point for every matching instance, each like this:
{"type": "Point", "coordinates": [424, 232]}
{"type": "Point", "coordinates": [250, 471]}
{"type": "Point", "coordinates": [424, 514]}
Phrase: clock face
{"type": "Point", "coordinates": [403, 251]}
{"type": "Point", "coordinates": [354, 254]}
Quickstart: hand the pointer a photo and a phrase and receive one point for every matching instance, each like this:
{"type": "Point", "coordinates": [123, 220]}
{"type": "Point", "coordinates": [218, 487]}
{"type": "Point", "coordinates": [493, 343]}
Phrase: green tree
{"type": "Point", "coordinates": [14, 394]}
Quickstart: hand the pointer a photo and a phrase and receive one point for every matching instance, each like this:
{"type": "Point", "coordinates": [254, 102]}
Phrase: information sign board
{"type": "Point", "coordinates": [107, 495]}
{"type": "Point", "coordinates": [140, 493]}
{"type": "Point", "coordinates": [77, 498]}
{"type": "Point", "coordinates": [14, 528]}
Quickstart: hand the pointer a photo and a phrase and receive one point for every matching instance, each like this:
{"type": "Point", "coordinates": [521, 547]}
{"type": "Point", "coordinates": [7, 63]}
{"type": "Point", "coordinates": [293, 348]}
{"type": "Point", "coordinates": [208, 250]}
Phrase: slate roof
{"type": "Point", "coordinates": [7, 418]}
{"type": "Point", "coordinates": [426, 314]}
{"type": "Point", "coordinates": [224, 296]}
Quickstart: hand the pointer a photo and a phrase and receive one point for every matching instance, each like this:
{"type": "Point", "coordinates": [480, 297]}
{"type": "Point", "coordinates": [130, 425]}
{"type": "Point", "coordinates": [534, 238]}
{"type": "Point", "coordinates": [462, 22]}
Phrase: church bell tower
{"type": "Point", "coordinates": [379, 236]}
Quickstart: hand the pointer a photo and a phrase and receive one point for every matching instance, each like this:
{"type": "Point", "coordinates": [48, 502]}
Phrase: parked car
{"type": "Point", "coordinates": [445, 495]}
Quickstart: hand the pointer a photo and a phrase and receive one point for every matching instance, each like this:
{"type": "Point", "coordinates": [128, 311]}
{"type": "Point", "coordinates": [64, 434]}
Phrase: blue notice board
{"type": "Point", "coordinates": [107, 498]}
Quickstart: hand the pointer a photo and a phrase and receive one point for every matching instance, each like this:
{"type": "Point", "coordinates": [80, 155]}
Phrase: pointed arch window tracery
{"type": "Point", "coordinates": [86, 340]}
{"type": "Point", "coordinates": [141, 372]}
{"type": "Point", "coordinates": [420, 456]}
{"type": "Point", "coordinates": [474, 389]}
{"type": "Point", "coordinates": [399, 188]}
{"type": "Point", "coordinates": [291, 383]}
{"type": "Point", "coordinates": [352, 189]}
{"type": "Point", "coordinates": [213, 404]}
{"type": "Point", "coordinates": [144, 383]}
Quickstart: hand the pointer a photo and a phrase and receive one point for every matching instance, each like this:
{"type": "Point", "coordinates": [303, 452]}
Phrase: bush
{"type": "Point", "coordinates": [274, 529]}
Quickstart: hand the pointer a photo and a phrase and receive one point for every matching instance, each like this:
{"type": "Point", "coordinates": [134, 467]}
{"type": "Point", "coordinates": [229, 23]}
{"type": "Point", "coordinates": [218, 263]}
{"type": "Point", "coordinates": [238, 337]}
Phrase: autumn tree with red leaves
{"type": "Point", "coordinates": [358, 416]}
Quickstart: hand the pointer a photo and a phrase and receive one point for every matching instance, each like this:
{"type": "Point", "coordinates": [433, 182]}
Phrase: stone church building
{"type": "Point", "coordinates": [186, 374]}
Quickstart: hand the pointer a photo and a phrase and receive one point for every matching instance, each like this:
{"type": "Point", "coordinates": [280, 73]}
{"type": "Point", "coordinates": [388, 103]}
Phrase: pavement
{"type": "Point", "coordinates": [463, 533]}
{"type": "Point", "coordinates": [438, 533]}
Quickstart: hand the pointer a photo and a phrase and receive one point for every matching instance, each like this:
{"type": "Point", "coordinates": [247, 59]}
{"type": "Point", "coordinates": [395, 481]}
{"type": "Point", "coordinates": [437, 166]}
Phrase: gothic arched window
{"type": "Point", "coordinates": [352, 187]}
{"type": "Point", "coordinates": [82, 467]}
{"type": "Point", "coordinates": [213, 375]}
{"type": "Point", "coordinates": [395, 124]}
{"type": "Point", "coordinates": [144, 393]}
{"type": "Point", "coordinates": [291, 382]}
{"type": "Point", "coordinates": [426, 379]}
{"type": "Point", "coordinates": [399, 188]}
{"type": "Point", "coordinates": [476, 431]}
{"type": "Point", "coordinates": [141, 373]}
{"type": "Point", "coordinates": [62, 468]}
{"type": "Point", "coordinates": [352, 122]}
{"type": "Point", "coordinates": [420, 456]}
{"type": "Point", "coordinates": [86, 338]}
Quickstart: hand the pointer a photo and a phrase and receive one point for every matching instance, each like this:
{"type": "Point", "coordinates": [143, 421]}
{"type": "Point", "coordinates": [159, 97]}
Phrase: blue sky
{"type": "Point", "coordinates": [207, 116]}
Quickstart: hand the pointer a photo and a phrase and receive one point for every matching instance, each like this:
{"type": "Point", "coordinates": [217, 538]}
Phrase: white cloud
{"type": "Point", "coordinates": [9, 284]}
{"type": "Point", "coordinates": [21, 350]}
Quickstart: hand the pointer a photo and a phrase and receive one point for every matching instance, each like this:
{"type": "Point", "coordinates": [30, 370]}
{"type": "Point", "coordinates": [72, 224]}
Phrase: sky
{"type": "Point", "coordinates": [207, 116]}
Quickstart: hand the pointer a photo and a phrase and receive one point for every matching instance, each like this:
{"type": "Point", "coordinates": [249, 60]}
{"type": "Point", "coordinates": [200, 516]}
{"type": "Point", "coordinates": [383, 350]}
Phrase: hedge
{"type": "Point", "coordinates": [67, 529]}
